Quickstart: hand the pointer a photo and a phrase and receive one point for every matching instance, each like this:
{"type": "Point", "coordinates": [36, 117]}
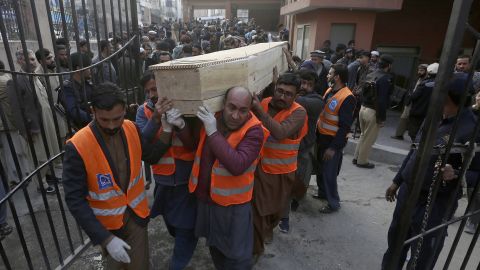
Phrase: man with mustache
{"type": "Point", "coordinates": [103, 180]}
{"type": "Point", "coordinates": [287, 122]}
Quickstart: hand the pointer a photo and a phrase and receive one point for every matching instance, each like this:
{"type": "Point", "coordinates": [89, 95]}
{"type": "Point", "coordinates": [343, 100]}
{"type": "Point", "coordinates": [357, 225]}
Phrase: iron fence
{"type": "Point", "coordinates": [45, 235]}
{"type": "Point", "coordinates": [458, 26]}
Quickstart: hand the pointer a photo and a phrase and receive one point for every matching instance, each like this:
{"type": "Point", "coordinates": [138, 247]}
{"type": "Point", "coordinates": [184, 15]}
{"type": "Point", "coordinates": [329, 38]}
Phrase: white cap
{"type": "Point", "coordinates": [142, 50]}
{"type": "Point", "coordinates": [432, 68]}
{"type": "Point", "coordinates": [376, 53]}
{"type": "Point", "coordinates": [151, 32]}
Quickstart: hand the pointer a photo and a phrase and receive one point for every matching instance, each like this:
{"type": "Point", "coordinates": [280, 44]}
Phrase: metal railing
{"type": "Point", "coordinates": [458, 26]}
{"type": "Point", "coordinates": [45, 235]}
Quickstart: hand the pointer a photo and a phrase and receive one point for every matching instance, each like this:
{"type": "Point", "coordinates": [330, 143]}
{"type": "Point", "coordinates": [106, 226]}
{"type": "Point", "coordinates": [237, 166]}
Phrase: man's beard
{"type": "Point", "coordinates": [51, 66]}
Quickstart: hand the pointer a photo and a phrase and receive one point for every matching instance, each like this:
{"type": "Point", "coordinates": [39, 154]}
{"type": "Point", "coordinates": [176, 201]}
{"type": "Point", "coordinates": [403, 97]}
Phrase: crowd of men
{"type": "Point", "coordinates": [231, 176]}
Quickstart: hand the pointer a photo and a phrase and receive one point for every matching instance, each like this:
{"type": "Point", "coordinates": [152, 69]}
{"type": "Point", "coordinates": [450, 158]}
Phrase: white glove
{"type": "Point", "coordinates": [117, 249]}
{"type": "Point", "coordinates": [208, 119]}
{"type": "Point", "coordinates": [174, 117]}
{"type": "Point", "coordinates": [167, 127]}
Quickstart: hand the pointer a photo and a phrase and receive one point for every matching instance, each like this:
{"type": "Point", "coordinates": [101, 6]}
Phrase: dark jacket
{"type": "Point", "coordinates": [75, 184]}
{"type": "Point", "coordinates": [420, 98]}
{"type": "Point", "coordinates": [405, 174]}
{"type": "Point", "coordinates": [313, 104]}
{"type": "Point", "coordinates": [379, 98]}
{"type": "Point", "coordinates": [22, 97]}
{"type": "Point", "coordinates": [74, 98]}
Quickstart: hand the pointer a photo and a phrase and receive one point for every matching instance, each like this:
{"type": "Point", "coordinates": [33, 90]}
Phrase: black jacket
{"type": "Point", "coordinates": [380, 99]}
{"type": "Point", "coordinates": [420, 98]}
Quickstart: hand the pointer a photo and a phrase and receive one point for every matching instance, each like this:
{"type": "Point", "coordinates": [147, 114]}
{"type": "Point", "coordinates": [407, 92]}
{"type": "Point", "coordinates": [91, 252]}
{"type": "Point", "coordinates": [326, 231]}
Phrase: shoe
{"type": "Point", "coordinates": [327, 210]}
{"type": "Point", "coordinates": [294, 205]}
{"type": "Point", "coordinates": [400, 138]}
{"type": "Point", "coordinates": [470, 228]}
{"type": "Point", "coordinates": [366, 166]}
{"type": "Point", "coordinates": [354, 161]}
{"type": "Point", "coordinates": [5, 230]}
{"type": "Point", "coordinates": [50, 190]}
{"type": "Point", "coordinates": [284, 225]}
{"type": "Point", "coordinates": [318, 197]}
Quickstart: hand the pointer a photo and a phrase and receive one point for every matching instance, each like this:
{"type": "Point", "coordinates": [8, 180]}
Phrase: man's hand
{"type": "Point", "coordinates": [448, 173]}
{"type": "Point", "coordinates": [391, 193]}
{"type": "Point", "coordinates": [167, 127]}
{"type": "Point", "coordinates": [256, 106]}
{"type": "Point", "coordinates": [208, 119]}
{"type": "Point", "coordinates": [174, 117]}
{"type": "Point", "coordinates": [117, 248]}
{"type": "Point", "coordinates": [163, 104]}
{"type": "Point", "coordinates": [275, 75]}
{"type": "Point", "coordinates": [328, 154]}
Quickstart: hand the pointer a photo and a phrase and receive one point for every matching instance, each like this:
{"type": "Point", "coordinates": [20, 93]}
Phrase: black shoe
{"type": "Point", "coordinates": [52, 179]}
{"type": "Point", "coordinates": [327, 210]}
{"type": "Point", "coordinates": [294, 205]}
{"type": "Point", "coordinates": [400, 138]}
{"type": "Point", "coordinates": [366, 166]}
{"type": "Point", "coordinates": [354, 161]}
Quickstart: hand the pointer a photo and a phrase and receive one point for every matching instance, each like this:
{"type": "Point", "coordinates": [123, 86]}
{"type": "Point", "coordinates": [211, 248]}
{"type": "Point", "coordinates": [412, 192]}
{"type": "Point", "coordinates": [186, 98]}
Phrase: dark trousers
{"type": "Point", "coordinates": [185, 244]}
{"type": "Point", "coordinates": [221, 262]}
{"type": "Point", "coordinates": [428, 255]}
{"type": "Point", "coordinates": [413, 126]}
{"type": "Point", "coordinates": [327, 178]}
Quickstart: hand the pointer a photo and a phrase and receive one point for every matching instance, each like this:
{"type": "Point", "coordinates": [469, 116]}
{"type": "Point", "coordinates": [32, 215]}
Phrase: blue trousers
{"type": "Point", "coordinates": [221, 262]}
{"type": "Point", "coordinates": [428, 255]}
{"type": "Point", "coordinates": [185, 244]}
{"type": "Point", "coordinates": [327, 177]}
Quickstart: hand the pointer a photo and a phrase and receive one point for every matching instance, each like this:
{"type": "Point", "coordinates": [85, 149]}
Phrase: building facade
{"type": "Point", "coordinates": [411, 30]}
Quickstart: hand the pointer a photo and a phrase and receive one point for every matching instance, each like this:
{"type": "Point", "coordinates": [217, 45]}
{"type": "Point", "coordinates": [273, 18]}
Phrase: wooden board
{"type": "Point", "coordinates": [204, 79]}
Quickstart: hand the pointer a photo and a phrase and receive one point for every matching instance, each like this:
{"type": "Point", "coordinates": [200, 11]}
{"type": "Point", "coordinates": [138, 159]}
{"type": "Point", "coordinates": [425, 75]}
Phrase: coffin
{"type": "Point", "coordinates": [204, 79]}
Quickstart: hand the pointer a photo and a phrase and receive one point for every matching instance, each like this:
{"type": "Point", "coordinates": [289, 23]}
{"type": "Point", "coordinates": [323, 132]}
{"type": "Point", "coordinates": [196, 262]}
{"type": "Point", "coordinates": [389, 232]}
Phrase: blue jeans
{"type": "Point", "coordinates": [185, 244]}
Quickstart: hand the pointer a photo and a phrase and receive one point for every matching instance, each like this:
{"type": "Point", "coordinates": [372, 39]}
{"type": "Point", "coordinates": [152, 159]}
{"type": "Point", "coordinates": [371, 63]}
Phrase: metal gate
{"type": "Point", "coordinates": [458, 26]}
{"type": "Point", "coordinates": [45, 235]}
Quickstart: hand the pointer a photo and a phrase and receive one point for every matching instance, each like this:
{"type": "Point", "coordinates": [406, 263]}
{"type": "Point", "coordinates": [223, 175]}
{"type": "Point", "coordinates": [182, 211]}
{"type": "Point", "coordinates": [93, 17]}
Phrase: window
{"type": "Point", "coordinates": [341, 33]}
{"type": "Point", "coordinates": [303, 40]}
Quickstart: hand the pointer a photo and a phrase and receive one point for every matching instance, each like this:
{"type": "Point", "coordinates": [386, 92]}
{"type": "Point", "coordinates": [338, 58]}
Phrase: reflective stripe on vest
{"type": "Point", "coordinates": [280, 156]}
{"type": "Point", "coordinates": [328, 120]}
{"type": "Point", "coordinates": [225, 188]}
{"type": "Point", "coordinates": [109, 212]}
{"type": "Point", "coordinates": [106, 199]}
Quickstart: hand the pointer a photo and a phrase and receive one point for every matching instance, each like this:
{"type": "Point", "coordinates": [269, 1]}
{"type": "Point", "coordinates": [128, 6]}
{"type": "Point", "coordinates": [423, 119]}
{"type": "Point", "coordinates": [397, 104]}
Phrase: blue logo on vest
{"type": "Point", "coordinates": [333, 104]}
{"type": "Point", "coordinates": [104, 181]}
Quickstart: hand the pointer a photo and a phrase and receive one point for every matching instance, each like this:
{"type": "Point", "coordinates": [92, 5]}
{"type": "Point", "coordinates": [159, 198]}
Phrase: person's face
{"type": "Point", "coordinates": [421, 73]}
{"type": "Point", "coordinates": [462, 65]}
{"type": "Point", "coordinates": [50, 61]}
{"type": "Point", "coordinates": [307, 86]}
{"type": "Point", "coordinates": [62, 57]}
{"type": "Point", "coordinates": [84, 48]}
{"type": "Point", "coordinates": [148, 50]}
{"type": "Point", "coordinates": [164, 58]}
{"type": "Point", "coordinates": [110, 121]}
{"type": "Point", "coordinates": [150, 89]}
{"type": "Point", "coordinates": [350, 54]}
{"type": "Point", "coordinates": [31, 59]}
{"type": "Point", "coordinates": [352, 45]}
{"type": "Point", "coordinates": [374, 58]}
{"type": "Point", "coordinates": [284, 96]}
{"type": "Point", "coordinates": [331, 77]}
{"type": "Point", "coordinates": [195, 51]}
{"type": "Point", "coordinates": [364, 60]}
{"type": "Point", "coordinates": [316, 59]}
{"type": "Point", "coordinates": [236, 110]}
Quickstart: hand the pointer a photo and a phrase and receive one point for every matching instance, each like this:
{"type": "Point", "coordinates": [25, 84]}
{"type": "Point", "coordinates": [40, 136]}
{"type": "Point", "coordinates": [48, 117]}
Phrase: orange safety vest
{"type": "Point", "coordinates": [166, 164]}
{"type": "Point", "coordinates": [225, 188]}
{"type": "Point", "coordinates": [328, 121]}
{"type": "Point", "coordinates": [105, 197]}
{"type": "Point", "coordinates": [279, 157]}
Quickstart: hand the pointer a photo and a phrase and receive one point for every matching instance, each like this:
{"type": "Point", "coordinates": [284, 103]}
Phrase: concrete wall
{"type": "Point", "coordinates": [320, 22]}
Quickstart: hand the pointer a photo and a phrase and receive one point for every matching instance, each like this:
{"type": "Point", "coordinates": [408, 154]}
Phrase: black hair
{"type": "Point", "coordinates": [147, 76]}
{"type": "Point", "coordinates": [456, 88]}
{"type": "Point", "coordinates": [162, 46]}
{"type": "Point", "coordinates": [104, 44]}
{"type": "Point", "coordinates": [465, 56]}
{"type": "Point", "coordinates": [61, 47]}
{"type": "Point", "coordinates": [342, 71]}
{"type": "Point", "coordinates": [107, 95]}
{"type": "Point", "coordinates": [39, 52]}
{"type": "Point", "coordinates": [308, 75]}
{"type": "Point", "coordinates": [382, 64]}
{"type": "Point", "coordinates": [82, 42]}
{"type": "Point", "coordinates": [198, 46]}
{"type": "Point", "coordinates": [340, 47]}
{"type": "Point", "coordinates": [62, 41]}
{"type": "Point", "coordinates": [80, 60]}
{"type": "Point", "coordinates": [289, 79]}
{"type": "Point", "coordinates": [351, 42]}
